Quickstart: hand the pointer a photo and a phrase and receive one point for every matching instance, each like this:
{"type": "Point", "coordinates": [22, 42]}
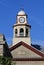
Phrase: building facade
{"type": "Point", "coordinates": [21, 51]}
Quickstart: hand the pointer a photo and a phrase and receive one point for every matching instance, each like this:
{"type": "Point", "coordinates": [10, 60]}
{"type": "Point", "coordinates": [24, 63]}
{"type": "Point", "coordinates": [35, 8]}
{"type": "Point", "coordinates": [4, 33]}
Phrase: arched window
{"type": "Point", "coordinates": [21, 32]}
{"type": "Point", "coordinates": [26, 32]}
{"type": "Point", "coordinates": [16, 32]}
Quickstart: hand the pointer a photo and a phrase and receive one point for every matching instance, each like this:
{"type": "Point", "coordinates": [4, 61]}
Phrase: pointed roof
{"type": "Point", "coordinates": [28, 47]}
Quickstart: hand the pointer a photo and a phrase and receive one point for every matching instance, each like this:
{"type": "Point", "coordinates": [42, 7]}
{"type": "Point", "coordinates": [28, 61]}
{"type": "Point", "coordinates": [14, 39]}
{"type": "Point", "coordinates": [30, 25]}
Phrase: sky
{"type": "Point", "coordinates": [35, 11]}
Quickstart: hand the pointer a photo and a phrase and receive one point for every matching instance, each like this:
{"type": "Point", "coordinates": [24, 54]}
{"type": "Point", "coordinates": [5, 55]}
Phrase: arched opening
{"type": "Point", "coordinates": [21, 32]}
{"type": "Point", "coordinates": [26, 32]}
{"type": "Point", "coordinates": [16, 32]}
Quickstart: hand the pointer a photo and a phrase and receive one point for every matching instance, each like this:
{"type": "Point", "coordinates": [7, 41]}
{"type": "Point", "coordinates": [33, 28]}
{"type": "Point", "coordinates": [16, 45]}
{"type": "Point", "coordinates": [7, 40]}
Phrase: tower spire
{"type": "Point", "coordinates": [21, 29]}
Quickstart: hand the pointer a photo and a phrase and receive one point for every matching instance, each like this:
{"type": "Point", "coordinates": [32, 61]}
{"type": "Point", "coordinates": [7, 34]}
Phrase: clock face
{"type": "Point", "coordinates": [22, 19]}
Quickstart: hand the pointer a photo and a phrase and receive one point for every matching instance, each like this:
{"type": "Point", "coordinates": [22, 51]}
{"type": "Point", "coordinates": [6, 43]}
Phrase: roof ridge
{"type": "Point", "coordinates": [27, 46]}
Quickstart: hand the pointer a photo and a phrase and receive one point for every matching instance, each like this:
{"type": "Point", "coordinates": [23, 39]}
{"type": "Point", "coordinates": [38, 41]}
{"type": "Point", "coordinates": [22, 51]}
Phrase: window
{"type": "Point", "coordinates": [26, 32]}
{"type": "Point", "coordinates": [16, 32]}
{"type": "Point", "coordinates": [21, 32]}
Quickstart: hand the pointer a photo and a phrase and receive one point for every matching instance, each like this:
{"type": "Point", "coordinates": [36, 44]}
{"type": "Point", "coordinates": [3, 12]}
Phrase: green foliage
{"type": "Point", "coordinates": [5, 60]}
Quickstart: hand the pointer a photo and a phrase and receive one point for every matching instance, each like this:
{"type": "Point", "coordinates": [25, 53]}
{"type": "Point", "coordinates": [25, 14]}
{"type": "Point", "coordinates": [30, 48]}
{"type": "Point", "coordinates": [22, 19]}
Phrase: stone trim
{"type": "Point", "coordinates": [22, 25]}
{"type": "Point", "coordinates": [28, 59]}
{"type": "Point", "coordinates": [23, 15]}
{"type": "Point", "coordinates": [2, 42]}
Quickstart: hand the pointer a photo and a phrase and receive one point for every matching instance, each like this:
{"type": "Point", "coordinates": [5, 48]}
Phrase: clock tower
{"type": "Point", "coordinates": [21, 30]}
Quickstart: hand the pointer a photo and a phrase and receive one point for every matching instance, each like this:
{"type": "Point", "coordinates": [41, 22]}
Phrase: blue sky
{"type": "Point", "coordinates": [35, 12]}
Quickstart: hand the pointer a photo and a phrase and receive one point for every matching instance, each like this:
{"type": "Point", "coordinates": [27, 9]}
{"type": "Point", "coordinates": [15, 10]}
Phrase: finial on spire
{"type": "Point", "coordinates": [22, 8]}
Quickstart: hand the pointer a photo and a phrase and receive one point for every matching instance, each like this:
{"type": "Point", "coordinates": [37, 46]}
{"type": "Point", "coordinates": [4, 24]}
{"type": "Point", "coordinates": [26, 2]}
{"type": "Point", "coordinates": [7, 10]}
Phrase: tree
{"type": "Point", "coordinates": [5, 60]}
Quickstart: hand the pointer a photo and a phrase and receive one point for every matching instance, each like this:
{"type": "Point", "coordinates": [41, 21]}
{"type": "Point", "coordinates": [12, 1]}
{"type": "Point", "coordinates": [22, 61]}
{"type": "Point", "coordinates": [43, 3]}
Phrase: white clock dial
{"type": "Point", "coordinates": [22, 19]}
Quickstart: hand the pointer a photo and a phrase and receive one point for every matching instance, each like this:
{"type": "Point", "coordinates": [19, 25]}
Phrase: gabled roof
{"type": "Point", "coordinates": [28, 47]}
